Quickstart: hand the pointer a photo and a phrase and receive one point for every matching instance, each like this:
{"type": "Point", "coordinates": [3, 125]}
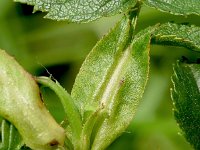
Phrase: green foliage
{"type": "Point", "coordinates": [80, 11]}
{"type": "Point", "coordinates": [85, 11]}
{"type": "Point", "coordinates": [96, 94]}
{"type": "Point", "coordinates": [101, 63]}
{"type": "Point", "coordinates": [110, 83]}
{"type": "Point", "coordinates": [176, 7]}
{"type": "Point", "coordinates": [178, 35]}
{"type": "Point", "coordinates": [186, 100]}
{"type": "Point", "coordinates": [121, 107]}
{"type": "Point", "coordinates": [115, 63]}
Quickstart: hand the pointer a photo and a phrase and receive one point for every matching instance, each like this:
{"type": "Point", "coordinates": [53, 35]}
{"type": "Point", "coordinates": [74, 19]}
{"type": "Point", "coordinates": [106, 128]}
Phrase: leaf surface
{"type": "Point", "coordinates": [186, 100]}
{"type": "Point", "coordinates": [178, 35]}
{"type": "Point", "coordinates": [176, 7]}
{"type": "Point", "coordinates": [80, 11]}
{"type": "Point", "coordinates": [128, 93]}
{"type": "Point", "coordinates": [111, 82]}
{"type": "Point", "coordinates": [99, 66]}
{"type": "Point", "coordinates": [101, 73]}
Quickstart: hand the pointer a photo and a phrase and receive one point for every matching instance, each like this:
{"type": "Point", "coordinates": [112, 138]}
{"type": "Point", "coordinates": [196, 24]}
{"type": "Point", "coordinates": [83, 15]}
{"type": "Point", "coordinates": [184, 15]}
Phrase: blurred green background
{"type": "Point", "coordinates": [46, 47]}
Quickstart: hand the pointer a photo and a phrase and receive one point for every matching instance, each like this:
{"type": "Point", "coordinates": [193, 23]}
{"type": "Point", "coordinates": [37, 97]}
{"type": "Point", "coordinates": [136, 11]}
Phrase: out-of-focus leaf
{"type": "Point", "coordinates": [176, 7]}
{"type": "Point", "coordinates": [186, 100]}
{"type": "Point", "coordinates": [11, 139]}
{"type": "Point", "coordinates": [79, 11]}
{"type": "Point", "coordinates": [4, 8]}
{"type": "Point", "coordinates": [129, 91]}
{"type": "Point", "coordinates": [59, 41]}
{"type": "Point", "coordinates": [178, 35]}
{"type": "Point", "coordinates": [37, 40]}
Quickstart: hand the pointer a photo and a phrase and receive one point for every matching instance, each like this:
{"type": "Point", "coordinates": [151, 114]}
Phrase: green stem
{"type": "Point", "coordinates": [133, 15]}
{"type": "Point", "coordinates": [87, 130]}
{"type": "Point", "coordinates": [73, 116]}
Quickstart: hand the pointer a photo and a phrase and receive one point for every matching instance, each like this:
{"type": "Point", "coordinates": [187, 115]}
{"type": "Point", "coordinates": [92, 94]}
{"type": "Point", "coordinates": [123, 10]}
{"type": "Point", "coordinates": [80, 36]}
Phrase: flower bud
{"type": "Point", "coordinates": [21, 104]}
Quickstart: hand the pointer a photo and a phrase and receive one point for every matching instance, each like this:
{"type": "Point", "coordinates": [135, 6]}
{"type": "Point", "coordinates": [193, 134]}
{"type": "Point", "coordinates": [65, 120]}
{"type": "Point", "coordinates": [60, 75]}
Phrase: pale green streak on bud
{"type": "Point", "coordinates": [20, 103]}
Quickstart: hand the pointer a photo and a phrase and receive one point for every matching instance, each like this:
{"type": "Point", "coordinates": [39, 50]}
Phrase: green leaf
{"type": "Point", "coordinates": [111, 82]}
{"type": "Point", "coordinates": [79, 11]}
{"type": "Point", "coordinates": [11, 140]}
{"type": "Point", "coordinates": [178, 35]}
{"type": "Point", "coordinates": [176, 7]}
{"type": "Point", "coordinates": [129, 92]}
{"type": "Point", "coordinates": [186, 100]}
{"type": "Point", "coordinates": [21, 104]}
{"type": "Point", "coordinates": [99, 66]}
{"type": "Point", "coordinates": [100, 74]}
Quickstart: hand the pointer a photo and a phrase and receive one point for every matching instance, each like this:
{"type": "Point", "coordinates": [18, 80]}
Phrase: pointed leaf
{"type": "Point", "coordinates": [79, 11]}
{"type": "Point", "coordinates": [99, 77]}
{"type": "Point", "coordinates": [99, 67]}
{"type": "Point", "coordinates": [176, 7]}
{"type": "Point", "coordinates": [186, 100]}
{"type": "Point", "coordinates": [129, 92]}
{"type": "Point", "coordinates": [178, 35]}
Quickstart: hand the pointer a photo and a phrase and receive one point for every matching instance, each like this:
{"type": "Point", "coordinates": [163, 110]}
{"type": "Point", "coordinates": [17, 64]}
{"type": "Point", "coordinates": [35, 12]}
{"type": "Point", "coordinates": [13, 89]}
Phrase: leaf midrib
{"type": "Point", "coordinates": [113, 79]}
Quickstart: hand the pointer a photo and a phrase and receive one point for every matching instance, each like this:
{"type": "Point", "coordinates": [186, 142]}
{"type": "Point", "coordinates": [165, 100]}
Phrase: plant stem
{"type": "Point", "coordinates": [73, 116]}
